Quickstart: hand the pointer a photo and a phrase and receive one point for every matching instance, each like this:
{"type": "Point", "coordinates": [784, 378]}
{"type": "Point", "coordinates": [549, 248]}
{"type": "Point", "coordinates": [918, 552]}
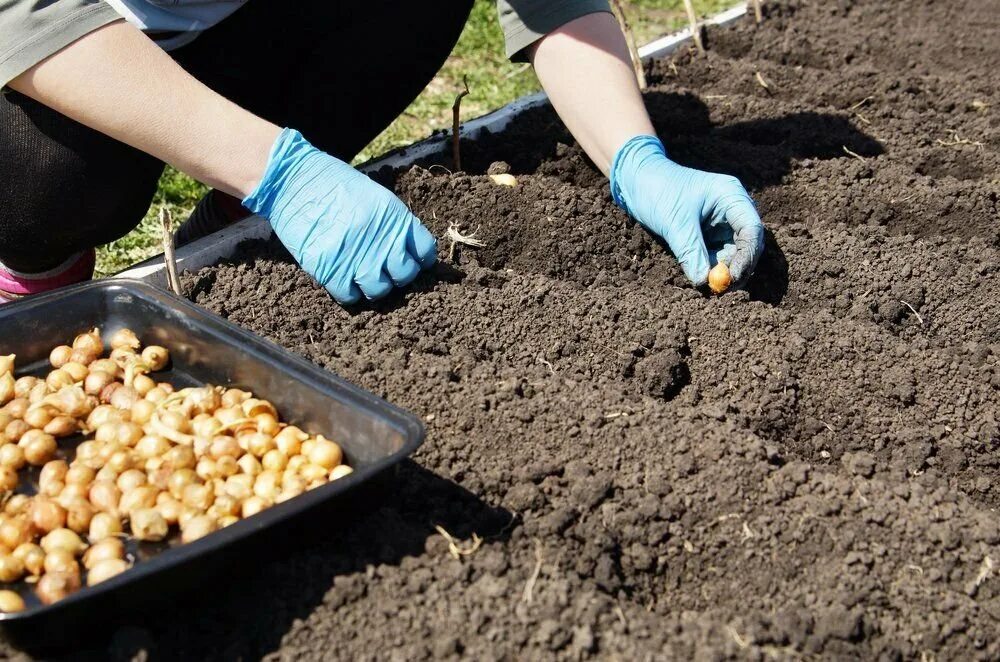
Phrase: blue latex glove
{"type": "Point", "coordinates": [352, 235]}
{"type": "Point", "coordinates": [704, 217]}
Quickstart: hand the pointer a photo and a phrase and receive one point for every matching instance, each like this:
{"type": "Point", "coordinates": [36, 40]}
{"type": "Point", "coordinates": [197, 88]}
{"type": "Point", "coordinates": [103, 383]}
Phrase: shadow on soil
{"type": "Point", "coordinates": [252, 596]}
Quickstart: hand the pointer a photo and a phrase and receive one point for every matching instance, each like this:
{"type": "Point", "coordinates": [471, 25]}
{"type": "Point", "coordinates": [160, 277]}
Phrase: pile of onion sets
{"type": "Point", "coordinates": [154, 461]}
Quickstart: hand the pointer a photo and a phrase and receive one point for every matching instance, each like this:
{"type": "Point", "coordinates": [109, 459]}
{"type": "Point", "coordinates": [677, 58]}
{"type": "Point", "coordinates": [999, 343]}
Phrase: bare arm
{"type": "Point", "coordinates": [584, 67]}
{"type": "Point", "coordinates": [117, 81]}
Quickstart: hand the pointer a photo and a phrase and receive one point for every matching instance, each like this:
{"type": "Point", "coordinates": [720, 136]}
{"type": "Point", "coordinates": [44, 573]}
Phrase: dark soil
{"type": "Point", "coordinates": [806, 468]}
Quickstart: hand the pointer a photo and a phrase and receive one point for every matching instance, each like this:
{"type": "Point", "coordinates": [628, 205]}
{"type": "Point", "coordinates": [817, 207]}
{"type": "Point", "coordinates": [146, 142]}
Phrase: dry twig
{"type": "Point", "coordinates": [529, 586]}
{"type": "Point", "coordinates": [695, 28]}
{"type": "Point", "coordinates": [456, 237]}
{"type": "Point", "coordinates": [914, 311]}
{"type": "Point", "coordinates": [854, 154]}
{"type": "Point", "coordinates": [168, 252]}
{"type": "Point", "coordinates": [633, 51]}
{"type": "Point", "coordinates": [458, 552]}
{"type": "Point", "coordinates": [958, 140]}
{"type": "Point", "coordinates": [456, 124]}
{"type": "Point", "coordinates": [758, 13]}
{"type": "Point", "coordinates": [763, 83]}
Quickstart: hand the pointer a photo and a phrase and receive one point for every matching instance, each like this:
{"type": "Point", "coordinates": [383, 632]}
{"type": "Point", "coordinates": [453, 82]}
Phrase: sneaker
{"type": "Point", "coordinates": [17, 284]}
{"type": "Point", "coordinates": [215, 211]}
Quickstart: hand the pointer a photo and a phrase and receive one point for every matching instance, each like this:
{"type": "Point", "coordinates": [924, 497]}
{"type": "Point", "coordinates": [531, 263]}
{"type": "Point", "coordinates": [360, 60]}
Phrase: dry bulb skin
{"type": "Point", "coordinates": [154, 462]}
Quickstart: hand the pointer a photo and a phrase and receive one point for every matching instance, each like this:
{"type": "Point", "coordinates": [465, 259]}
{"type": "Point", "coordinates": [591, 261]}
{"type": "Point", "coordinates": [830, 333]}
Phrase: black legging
{"type": "Point", "coordinates": [339, 72]}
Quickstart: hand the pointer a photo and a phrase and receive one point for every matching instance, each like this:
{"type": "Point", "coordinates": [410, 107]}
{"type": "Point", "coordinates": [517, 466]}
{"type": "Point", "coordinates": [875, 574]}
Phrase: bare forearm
{"type": "Point", "coordinates": [116, 81]}
{"type": "Point", "coordinates": [585, 69]}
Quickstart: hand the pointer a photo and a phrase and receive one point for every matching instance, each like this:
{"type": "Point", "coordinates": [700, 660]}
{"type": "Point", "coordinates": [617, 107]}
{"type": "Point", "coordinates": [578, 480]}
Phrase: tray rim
{"type": "Point", "coordinates": [412, 428]}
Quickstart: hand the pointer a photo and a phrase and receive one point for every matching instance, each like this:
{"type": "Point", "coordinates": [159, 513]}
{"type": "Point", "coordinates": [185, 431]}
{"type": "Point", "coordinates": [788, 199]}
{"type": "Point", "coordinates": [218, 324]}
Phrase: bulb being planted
{"type": "Point", "coordinates": [719, 278]}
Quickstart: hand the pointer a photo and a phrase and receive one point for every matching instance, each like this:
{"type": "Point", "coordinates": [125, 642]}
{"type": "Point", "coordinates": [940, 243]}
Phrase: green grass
{"type": "Point", "coordinates": [478, 56]}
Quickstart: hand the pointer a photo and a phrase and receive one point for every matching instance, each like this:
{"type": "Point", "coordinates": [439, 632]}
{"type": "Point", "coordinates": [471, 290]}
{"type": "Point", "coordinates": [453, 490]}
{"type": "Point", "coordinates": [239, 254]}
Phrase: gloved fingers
{"type": "Point", "coordinates": [421, 244]}
{"type": "Point", "coordinates": [688, 245]}
{"type": "Point", "coordinates": [402, 267]}
{"type": "Point", "coordinates": [749, 248]}
{"type": "Point", "coordinates": [375, 283]}
{"type": "Point", "coordinates": [344, 291]}
{"type": "Point", "coordinates": [724, 254]}
{"type": "Point", "coordinates": [748, 234]}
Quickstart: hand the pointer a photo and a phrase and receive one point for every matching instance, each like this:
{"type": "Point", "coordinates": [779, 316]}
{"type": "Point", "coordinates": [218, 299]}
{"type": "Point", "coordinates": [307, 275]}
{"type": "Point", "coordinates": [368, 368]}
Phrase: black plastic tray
{"type": "Point", "coordinates": [204, 349]}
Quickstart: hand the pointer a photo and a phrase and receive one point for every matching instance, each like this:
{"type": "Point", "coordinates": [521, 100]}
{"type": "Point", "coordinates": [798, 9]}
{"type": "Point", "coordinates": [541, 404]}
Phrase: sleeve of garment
{"type": "Point", "coordinates": [526, 21]}
{"type": "Point", "coordinates": [30, 30]}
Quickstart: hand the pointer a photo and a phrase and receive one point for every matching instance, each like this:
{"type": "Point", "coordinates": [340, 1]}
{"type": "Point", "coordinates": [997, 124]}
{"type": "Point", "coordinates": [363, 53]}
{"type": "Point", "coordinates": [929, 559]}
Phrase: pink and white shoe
{"type": "Point", "coordinates": [15, 284]}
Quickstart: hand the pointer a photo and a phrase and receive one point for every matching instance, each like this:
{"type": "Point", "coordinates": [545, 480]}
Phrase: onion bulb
{"type": "Point", "coordinates": [138, 498]}
{"type": "Point", "coordinates": [95, 382]}
{"type": "Point", "coordinates": [46, 515]}
{"type": "Point", "coordinates": [8, 479]}
{"type": "Point", "coordinates": [197, 527]}
{"type": "Point", "coordinates": [59, 378]}
{"type": "Point", "coordinates": [61, 426]}
{"type": "Point", "coordinates": [253, 505]}
{"type": "Point", "coordinates": [11, 602]}
{"type": "Point", "coordinates": [77, 371]}
{"type": "Point", "coordinates": [326, 453]}
{"type": "Point", "coordinates": [23, 385]}
{"type": "Point", "coordinates": [148, 524]}
{"type": "Point", "coordinates": [6, 388]}
{"type": "Point", "coordinates": [32, 556]}
{"type": "Point", "coordinates": [105, 496]}
{"type": "Point", "coordinates": [340, 471]}
{"type": "Point", "coordinates": [12, 456]}
{"type": "Point", "coordinates": [103, 550]}
{"type": "Point", "coordinates": [719, 278]}
{"type": "Point", "coordinates": [504, 179]}
{"type": "Point", "coordinates": [17, 504]}
{"type": "Point", "coordinates": [155, 357]}
{"type": "Point", "coordinates": [39, 447]}
{"type": "Point", "coordinates": [104, 525]}
{"type": "Point", "coordinates": [11, 568]}
{"type": "Point", "coordinates": [55, 586]}
{"type": "Point", "coordinates": [124, 338]}
{"type": "Point", "coordinates": [61, 560]}
{"type": "Point", "coordinates": [60, 356]}
{"type": "Point", "coordinates": [89, 342]}
{"type": "Point", "coordinates": [105, 570]}
{"type": "Point", "coordinates": [63, 539]}
{"type": "Point", "coordinates": [15, 531]}
{"type": "Point", "coordinates": [7, 364]}
{"type": "Point", "coordinates": [79, 515]}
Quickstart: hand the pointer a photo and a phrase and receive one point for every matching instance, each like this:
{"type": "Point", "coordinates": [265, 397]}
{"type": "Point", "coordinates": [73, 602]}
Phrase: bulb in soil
{"type": "Point", "coordinates": [11, 602]}
{"type": "Point", "coordinates": [504, 180]}
{"type": "Point", "coordinates": [719, 278]}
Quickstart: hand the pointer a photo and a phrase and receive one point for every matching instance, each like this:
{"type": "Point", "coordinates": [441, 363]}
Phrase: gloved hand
{"type": "Point", "coordinates": [352, 235]}
{"type": "Point", "coordinates": [704, 217]}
